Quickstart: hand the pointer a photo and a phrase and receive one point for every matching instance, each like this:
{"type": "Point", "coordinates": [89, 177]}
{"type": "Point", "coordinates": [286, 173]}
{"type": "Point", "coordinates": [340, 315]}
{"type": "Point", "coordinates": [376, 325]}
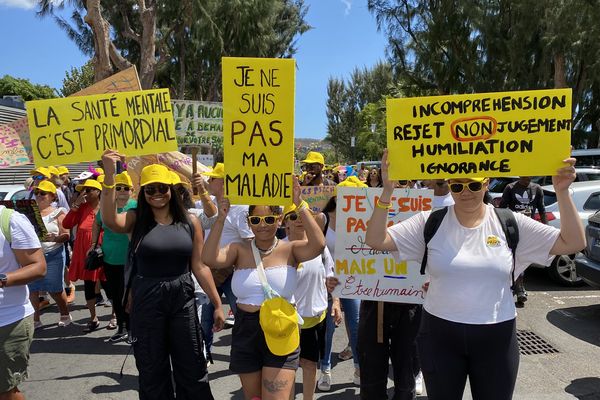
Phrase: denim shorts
{"type": "Point", "coordinates": [15, 340]}
{"type": "Point", "coordinates": [53, 282]}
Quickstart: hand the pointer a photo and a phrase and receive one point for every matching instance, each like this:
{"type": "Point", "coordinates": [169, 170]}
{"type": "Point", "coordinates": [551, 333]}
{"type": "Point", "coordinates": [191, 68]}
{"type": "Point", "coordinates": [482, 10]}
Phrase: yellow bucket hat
{"type": "Point", "coordinates": [279, 322]}
{"type": "Point", "coordinates": [314, 157]}
{"type": "Point", "coordinates": [351, 181]}
{"type": "Point", "coordinates": [155, 173]}
{"type": "Point", "coordinates": [217, 172]}
{"type": "Point", "coordinates": [90, 183]}
{"type": "Point", "coordinates": [62, 170]}
{"type": "Point", "coordinates": [47, 186]}
{"type": "Point", "coordinates": [123, 179]}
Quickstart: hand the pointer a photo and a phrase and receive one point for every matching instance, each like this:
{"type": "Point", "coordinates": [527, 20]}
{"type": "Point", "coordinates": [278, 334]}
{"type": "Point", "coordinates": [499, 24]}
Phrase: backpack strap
{"type": "Point", "coordinates": [5, 215]}
{"type": "Point", "coordinates": [511, 231]}
{"type": "Point", "coordinates": [431, 226]}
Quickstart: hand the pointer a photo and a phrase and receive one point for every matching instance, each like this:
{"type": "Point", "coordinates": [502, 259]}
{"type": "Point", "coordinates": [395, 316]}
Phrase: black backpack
{"type": "Point", "coordinates": [507, 220]}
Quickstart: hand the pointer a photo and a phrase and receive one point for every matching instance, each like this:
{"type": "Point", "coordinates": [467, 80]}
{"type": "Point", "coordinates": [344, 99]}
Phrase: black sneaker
{"type": "Point", "coordinates": [99, 300]}
{"type": "Point", "coordinates": [119, 336]}
{"type": "Point", "coordinates": [521, 297]}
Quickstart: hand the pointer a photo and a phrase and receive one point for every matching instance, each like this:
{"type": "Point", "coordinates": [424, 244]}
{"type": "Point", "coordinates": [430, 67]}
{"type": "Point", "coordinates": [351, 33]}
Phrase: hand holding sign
{"type": "Point", "coordinates": [385, 167]}
{"type": "Point", "coordinates": [565, 175]}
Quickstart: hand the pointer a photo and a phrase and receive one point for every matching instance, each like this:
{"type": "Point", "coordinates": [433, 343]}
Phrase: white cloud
{"type": "Point", "coordinates": [26, 4]}
{"type": "Point", "coordinates": [347, 4]}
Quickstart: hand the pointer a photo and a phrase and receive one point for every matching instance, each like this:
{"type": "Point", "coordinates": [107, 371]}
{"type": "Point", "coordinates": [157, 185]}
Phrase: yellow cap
{"type": "Point", "coordinates": [90, 183]}
{"type": "Point", "coordinates": [471, 179]}
{"type": "Point", "coordinates": [99, 171]}
{"type": "Point", "coordinates": [176, 179]}
{"type": "Point", "coordinates": [123, 179]}
{"type": "Point", "coordinates": [351, 181]}
{"type": "Point", "coordinates": [41, 171]}
{"type": "Point", "coordinates": [47, 186]}
{"type": "Point", "coordinates": [155, 173]}
{"type": "Point", "coordinates": [100, 178]}
{"type": "Point", "coordinates": [217, 172]}
{"type": "Point", "coordinates": [314, 157]}
{"type": "Point", "coordinates": [53, 170]}
{"type": "Point", "coordinates": [279, 322]}
{"type": "Point", "coordinates": [289, 209]}
{"type": "Point", "coordinates": [62, 170]}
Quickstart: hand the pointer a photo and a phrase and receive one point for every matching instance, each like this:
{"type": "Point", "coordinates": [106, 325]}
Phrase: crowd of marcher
{"type": "Point", "coordinates": [165, 260]}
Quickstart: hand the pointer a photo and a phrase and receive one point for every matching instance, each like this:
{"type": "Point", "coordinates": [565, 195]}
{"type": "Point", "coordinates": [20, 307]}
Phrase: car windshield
{"type": "Point", "coordinates": [549, 197]}
{"type": "Point", "coordinates": [3, 195]}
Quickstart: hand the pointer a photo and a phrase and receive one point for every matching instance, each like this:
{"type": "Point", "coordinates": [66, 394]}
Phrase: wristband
{"type": "Point", "coordinates": [303, 205]}
{"type": "Point", "coordinates": [205, 193]}
{"type": "Point", "coordinates": [382, 205]}
{"type": "Point", "coordinates": [105, 186]}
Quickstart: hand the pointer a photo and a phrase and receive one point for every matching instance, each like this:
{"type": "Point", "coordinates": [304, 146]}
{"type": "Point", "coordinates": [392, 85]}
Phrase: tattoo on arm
{"type": "Point", "coordinates": [274, 386]}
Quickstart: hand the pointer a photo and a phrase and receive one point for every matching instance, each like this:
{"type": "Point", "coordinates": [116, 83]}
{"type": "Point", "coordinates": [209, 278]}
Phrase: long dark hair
{"type": "Point", "coordinates": [144, 217]}
{"type": "Point", "coordinates": [330, 206]}
{"type": "Point", "coordinates": [379, 179]}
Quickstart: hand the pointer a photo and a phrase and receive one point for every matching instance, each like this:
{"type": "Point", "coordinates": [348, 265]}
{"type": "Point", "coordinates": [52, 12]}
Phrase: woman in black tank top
{"type": "Point", "coordinates": [165, 247]}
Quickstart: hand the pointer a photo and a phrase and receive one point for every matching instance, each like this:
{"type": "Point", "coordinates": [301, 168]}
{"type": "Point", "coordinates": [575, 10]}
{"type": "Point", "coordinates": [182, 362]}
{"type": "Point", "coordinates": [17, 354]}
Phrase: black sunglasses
{"type": "Point", "coordinates": [292, 216]}
{"type": "Point", "coordinates": [125, 188]}
{"type": "Point", "coordinates": [459, 187]}
{"type": "Point", "coordinates": [151, 189]}
{"type": "Point", "coordinates": [403, 183]}
{"type": "Point", "coordinates": [269, 219]}
{"type": "Point", "coordinates": [40, 193]}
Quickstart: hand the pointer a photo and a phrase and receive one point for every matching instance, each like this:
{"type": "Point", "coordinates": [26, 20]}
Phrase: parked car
{"type": "Point", "coordinates": [586, 196]}
{"type": "Point", "coordinates": [588, 262]}
{"type": "Point", "coordinates": [13, 192]}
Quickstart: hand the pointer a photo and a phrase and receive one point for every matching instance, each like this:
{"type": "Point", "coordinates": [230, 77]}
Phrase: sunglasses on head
{"type": "Point", "coordinates": [458, 187]}
{"type": "Point", "coordinates": [40, 193]}
{"type": "Point", "coordinates": [125, 188]}
{"type": "Point", "coordinates": [151, 189]}
{"type": "Point", "coordinates": [268, 219]}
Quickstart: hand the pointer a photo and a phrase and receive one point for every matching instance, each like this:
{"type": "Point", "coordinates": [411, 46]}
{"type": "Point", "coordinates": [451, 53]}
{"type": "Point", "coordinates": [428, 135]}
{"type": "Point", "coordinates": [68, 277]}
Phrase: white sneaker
{"type": "Point", "coordinates": [324, 383]}
{"type": "Point", "coordinates": [356, 379]}
{"type": "Point", "coordinates": [65, 320]}
{"type": "Point", "coordinates": [419, 383]}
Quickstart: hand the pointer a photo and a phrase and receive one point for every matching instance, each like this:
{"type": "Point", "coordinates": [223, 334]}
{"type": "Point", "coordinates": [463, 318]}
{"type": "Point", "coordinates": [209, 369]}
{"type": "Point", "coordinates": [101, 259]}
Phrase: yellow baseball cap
{"type": "Point", "coordinates": [62, 170]}
{"type": "Point", "coordinates": [41, 171]}
{"type": "Point", "coordinates": [471, 179]}
{"type": "Point", "coordinates": [217, 172]}
{"type": "Point", "coordinates": [351, 181]}
{"type": "Point", "coordinates": [177, 179]}
{"type": "Point", "coordinates": [279, 322]}
{"type": "Point", "coordinates": [99, 171]}
{"type": "Point", "coordinates": [289, 209]}
{"type": "Point", "coordinates": [123, 179]}
{"type": "Point", "coordinates": [314, 157]}
{"type": "Point", "coordinates": [90, 183]}
{"type": "Point", "coordinates": [100, 178]}
{"type": "Point", "coordinates": [47, 186]}
{"type": "Point", "coordinates": [53, 170]}
{"type": "Point", "coordinates": [155, 173]}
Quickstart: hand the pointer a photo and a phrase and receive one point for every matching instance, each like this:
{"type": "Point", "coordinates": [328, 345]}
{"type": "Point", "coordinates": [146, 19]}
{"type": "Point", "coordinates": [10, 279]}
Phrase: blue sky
{"type": "Point", "coordinates": [344, 36]}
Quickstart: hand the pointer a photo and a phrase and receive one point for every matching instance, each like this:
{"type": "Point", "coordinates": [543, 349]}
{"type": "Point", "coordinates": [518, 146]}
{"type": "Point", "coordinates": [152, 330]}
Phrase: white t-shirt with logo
{"type": "Point", "coordinates": [311, 292]}
{"type": "Point", "coordinates": [14, 300]}
{"type": "Point", "coordinates": [470, 268]}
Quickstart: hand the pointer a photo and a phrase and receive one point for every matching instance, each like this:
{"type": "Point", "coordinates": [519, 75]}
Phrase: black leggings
{"type": "Point", "coordinates": [115, 287]}
{"type": "Point", "coordinates": [451, 351]}
{"type": "Point", "coordinates": [89, 289]}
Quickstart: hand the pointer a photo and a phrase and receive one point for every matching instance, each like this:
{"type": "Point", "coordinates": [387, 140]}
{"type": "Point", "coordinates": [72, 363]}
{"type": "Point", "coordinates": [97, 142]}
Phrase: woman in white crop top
{"type": "Point", "coordinates": [257, 367]}
{"type": "Point", "coordinates": [468, 324]}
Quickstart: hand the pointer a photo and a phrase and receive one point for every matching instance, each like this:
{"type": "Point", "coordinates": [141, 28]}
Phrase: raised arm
{"type": "Point", "coordinates": [208, 206]}
{"type": "Point", "coordinates": [212, 255]}
{"type": "Point", "coordinates": [305, 250]}
{"type": "Point", "coordinates": [572, 236]}
{"type": "Point", "coordinates": [118, 223]}
{"type": "Point", "coordinates": [377, 236]}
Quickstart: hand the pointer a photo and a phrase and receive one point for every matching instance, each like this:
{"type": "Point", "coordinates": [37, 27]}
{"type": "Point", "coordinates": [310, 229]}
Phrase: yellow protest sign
{"type": "Point", "coordinates": [77, 129]}
{"type": "Point", "coordinates": [524, 133]}
{"type": "Point", "coordinates": [258, 130]}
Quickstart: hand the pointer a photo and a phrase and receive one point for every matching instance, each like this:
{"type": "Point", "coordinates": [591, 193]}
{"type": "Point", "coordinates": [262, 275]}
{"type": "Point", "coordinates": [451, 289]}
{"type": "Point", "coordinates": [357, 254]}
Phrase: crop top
{"type": "Point", "coordinates": [246, 285]}
{"type": "Point", "coordinates": [160, 258]}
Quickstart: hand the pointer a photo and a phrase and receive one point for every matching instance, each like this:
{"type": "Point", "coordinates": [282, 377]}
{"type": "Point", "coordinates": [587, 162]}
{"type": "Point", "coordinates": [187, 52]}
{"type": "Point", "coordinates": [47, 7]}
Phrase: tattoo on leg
{"type": "Point", "coordinates": [274, 385]}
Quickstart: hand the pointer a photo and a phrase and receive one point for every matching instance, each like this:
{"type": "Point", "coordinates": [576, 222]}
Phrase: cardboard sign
{"type": "Point", "coordinates": [124, 81]}
{"type": "Point", "coordinates": [370, 274]}
{"type": "Point", "coordinates": [317, 196]}
{"type": "Point", "coordinates": [12, 151]}
{"type": "Point", "coordinates": [76, 129]}
{"type": "Point", "coordinates": [198, 122]}
{"type": "Point", "coordinates": [258, 130]}
{"type": "Point", "coordinates": [479, 135]}
{"type": "Point", "coordinates": [30, 209]}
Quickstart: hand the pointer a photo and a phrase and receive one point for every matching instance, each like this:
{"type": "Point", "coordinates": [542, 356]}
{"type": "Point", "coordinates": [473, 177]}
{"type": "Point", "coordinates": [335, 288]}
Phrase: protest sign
{"type": "Point", "coordinates": [76, 129]}
{"type": "Point", "coordinates": [12, 151]}
{"type": "Point", "coordinates": [198, 122]}
{"type": "Point", "coordinates": [30, 209]}
{"type": "Point", "coordinates": [317, 196]}
{"type": "Point", "coordinates": [370, 274]}
{"type": "Point", "coordinates": [489, 134]}
{"type": "Point", "coordinates": [258, 130]}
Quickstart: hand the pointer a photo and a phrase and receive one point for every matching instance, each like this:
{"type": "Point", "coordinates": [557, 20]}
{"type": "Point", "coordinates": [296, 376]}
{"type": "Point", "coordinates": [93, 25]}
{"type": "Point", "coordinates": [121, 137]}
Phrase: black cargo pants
{"type": "Point", "coordinates": [166, 331]}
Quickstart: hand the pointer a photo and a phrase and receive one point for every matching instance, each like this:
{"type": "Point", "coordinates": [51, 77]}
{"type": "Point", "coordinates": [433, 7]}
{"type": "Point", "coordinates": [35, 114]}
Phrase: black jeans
{"type": "Point", "coordinates": [451, 351]}
{"type": "Point", "coordinates": [115, 287]}
{"type": "Point", "coordinates": [400, 326]}
{"type": "Point", "coordinates": [165, 331]}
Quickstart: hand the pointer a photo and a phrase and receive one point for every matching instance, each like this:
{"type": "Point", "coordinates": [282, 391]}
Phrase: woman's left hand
{"type": "Point", "coordinates": [297, 191]}
{"type": "Point", "coordinates": [331, 282]}
{"type": "Point", "coordinates": [336, 313]}
{"type": "Point", "coordinates": [219, 318]}
{"type": "Point", "coordinates": [565, 175]}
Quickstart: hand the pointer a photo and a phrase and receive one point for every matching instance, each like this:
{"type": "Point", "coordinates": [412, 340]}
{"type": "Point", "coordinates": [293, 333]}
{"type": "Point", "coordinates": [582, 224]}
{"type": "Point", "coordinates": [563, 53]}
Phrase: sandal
{"type": "Point", "coordinates": [112, 324]}
{"type": "Point", "coordinates": [91, 326]}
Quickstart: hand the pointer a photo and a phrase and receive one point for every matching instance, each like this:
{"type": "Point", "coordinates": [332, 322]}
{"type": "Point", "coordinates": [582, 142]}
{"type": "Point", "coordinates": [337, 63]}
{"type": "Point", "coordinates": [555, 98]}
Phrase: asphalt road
{"type": "Point", "coordinates": [68, 364]}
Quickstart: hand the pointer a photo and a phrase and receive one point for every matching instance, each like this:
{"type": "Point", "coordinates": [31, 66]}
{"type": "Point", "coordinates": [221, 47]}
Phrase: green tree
{"type": "Point", "coordinates": [10, 86]}
{"type": "Point", "coordinates": [77, 79]}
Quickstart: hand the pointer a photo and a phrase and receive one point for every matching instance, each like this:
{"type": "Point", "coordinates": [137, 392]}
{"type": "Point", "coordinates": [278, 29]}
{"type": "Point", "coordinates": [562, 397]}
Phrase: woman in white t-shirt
{"type": "Point", "coordinates": [468, 325]}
